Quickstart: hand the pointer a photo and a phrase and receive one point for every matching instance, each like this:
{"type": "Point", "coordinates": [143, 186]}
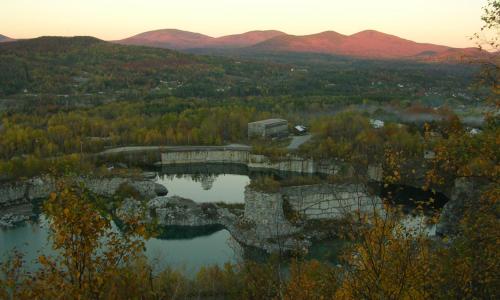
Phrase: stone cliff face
{"type": "Point", "coordinates": [207, 155]}
{"type": "Point", "coordinates": [268, 228]}
{"type": "Point", "coordinates": [273, 231]}
{"type": "Point", "coordinates": [244, 157]}
{"type": "Point", "coordinates": [109, 186]}
{"type": "Point", "coordinates": [177, 211]}
{"type": "Point", "coordinates": [465, 194]}
{"type": "Point", "coordinates": [320, 201]}
{"type": "Point", "coordinates": [331, 201]}
{"type": "Point", "coordinates": [25, 192]}
{"type": "Point", "coordinates": [293, 164]}
{"type": "Point", "coordinates": [265, 210]}
{"type": "Point", "coordinates": [18, 193]}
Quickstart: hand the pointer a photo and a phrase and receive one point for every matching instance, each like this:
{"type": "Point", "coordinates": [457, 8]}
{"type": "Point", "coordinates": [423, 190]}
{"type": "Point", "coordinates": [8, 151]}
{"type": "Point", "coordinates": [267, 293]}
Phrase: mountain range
{"type": "Point", "coordinates": [364, 44]}
{"type": "Point", "coordinates": [369, 44]}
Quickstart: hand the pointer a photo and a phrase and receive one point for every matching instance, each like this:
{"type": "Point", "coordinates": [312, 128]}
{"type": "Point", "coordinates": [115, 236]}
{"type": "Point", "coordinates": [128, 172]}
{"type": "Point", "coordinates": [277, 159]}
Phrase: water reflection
{"type": "Point", "coordinates": [228, 188]}
{"type": "Point", "coordinates": [190, 254]}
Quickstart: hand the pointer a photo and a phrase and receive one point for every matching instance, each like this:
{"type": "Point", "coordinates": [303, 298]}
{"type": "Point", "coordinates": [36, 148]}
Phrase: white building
{"type": "Point", "coordinates": [268, 128]}
{"type": "Point", "coordinates": [377, 123]}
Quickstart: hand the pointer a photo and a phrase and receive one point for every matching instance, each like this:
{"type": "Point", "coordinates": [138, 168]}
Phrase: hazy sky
{"type": "Point", "coordinates": [448, 22]}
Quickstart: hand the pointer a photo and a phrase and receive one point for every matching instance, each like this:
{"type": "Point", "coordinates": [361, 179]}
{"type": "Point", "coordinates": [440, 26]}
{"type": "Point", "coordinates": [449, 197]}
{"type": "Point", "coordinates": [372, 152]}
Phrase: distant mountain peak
{"type": "Point", "coordinates": [269, 31]}
{"type": "Point", "coordinates": [168, 38]}
{"type": "Point", "coordinates": [374, 34]}
{"type": "Point", "coordinates": [173, 32]}
{"type": "Point", "coordinates": [245, 39]}
{"type": "Point", "coordinates": [4, 38]}
{"type": "Point", "coordinates": [369, 32]}
{"type": "Point", "coordinates": [328, 33]}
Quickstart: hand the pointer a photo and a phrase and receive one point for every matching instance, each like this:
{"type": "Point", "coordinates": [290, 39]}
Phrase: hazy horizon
{"type": "Point", "coordinates": [448, 22]}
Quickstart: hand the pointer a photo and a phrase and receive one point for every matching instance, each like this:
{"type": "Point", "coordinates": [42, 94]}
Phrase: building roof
{"type": "Point", "coordinates": [269, 121]}
{"type": "Point", "coordinates": [300, 128]}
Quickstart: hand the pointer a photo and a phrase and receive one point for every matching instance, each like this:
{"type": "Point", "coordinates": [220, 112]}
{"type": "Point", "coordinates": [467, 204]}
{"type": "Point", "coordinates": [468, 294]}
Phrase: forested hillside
{"type": "Point", "coordinates": [84, 66]}
{"type": "Point", "coordinates": [87, 65]}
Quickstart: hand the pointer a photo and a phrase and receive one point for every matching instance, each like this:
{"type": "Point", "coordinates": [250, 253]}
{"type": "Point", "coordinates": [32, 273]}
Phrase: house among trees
{"type": "Point", "coordinates": [268, 128]}
{"type": "Point", "coordinates": [429, 155]}
{"type": "Point", "coordinates": [377, 123]}
{"type": "Point", "coordinates": [474, 131]}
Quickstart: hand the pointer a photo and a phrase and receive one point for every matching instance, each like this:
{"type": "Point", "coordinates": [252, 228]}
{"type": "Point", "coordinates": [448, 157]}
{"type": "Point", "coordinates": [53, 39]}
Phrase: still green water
{"type": "Point", "coordinates": [186, 254]}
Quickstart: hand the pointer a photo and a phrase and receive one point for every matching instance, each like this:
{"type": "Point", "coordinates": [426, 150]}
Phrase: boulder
{"type": "Point", "coordinates": [160, 190]}
{"type": "Point", "coordinates": [178, 211]}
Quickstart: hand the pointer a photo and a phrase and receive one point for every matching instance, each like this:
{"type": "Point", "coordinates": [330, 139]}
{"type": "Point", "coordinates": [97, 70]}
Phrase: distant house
{"type": "Point", "coordinates": [268, 128]}
{"type": "Point", "coordinates": [377, 123]}
{"type": "Point", "coordinates": [434, 135]}
{"type": "Point", "coordinates": [474, 131]}
{"type": "Point", "coordinates": [300, 129]}
{"type": "Point", "coordinates": [429, 155]}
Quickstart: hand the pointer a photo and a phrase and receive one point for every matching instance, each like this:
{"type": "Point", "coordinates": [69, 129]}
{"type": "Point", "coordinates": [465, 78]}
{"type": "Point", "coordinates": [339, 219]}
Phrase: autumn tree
{"type": "Point", "coordinates": [92, 256]}
{"type": "Point", "coordinates": [489, 39]}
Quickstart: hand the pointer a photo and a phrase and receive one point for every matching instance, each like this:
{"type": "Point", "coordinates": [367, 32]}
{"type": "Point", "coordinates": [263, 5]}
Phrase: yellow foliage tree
{"type": "Point", "coordinates": [92, 255]}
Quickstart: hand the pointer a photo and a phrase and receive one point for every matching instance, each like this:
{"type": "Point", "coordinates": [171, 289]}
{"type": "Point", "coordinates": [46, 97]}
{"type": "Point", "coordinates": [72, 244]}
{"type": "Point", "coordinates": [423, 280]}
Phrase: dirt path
{"type": "Point", "coordinates": [297, 141]}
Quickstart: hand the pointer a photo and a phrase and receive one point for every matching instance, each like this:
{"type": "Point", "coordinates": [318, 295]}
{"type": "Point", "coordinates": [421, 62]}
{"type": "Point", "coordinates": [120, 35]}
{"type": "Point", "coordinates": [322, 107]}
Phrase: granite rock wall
{"type": "Point", "coordinates": [331, 201]}
{"type": "Point", "coordinates": [23, 192]}
{"type": "Point", "coordinates": [289, 163]}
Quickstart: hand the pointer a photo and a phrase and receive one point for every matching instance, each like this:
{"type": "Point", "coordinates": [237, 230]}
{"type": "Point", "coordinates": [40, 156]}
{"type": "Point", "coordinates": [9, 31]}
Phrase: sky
{"type": "Point", "coordinates": [448, 22]}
